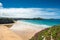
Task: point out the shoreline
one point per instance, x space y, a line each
25 30
42 25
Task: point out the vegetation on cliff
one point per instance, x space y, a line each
52 33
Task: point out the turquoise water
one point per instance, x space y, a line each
44 22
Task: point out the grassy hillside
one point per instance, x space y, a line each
48 34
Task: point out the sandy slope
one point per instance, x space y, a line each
26 31
6 34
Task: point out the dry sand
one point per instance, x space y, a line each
26 31
6 34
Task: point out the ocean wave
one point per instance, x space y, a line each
37 25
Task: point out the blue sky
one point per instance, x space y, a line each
30 8
31 3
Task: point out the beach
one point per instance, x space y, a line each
19 31
25 30
7 34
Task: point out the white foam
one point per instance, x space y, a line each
20 25
37 25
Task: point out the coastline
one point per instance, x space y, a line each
26 30
37 25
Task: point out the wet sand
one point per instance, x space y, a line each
26 31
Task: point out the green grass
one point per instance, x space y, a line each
47 33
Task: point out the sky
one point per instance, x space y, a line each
30 8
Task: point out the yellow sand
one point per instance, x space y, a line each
6 34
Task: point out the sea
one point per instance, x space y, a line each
46 22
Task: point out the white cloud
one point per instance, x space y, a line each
28 12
